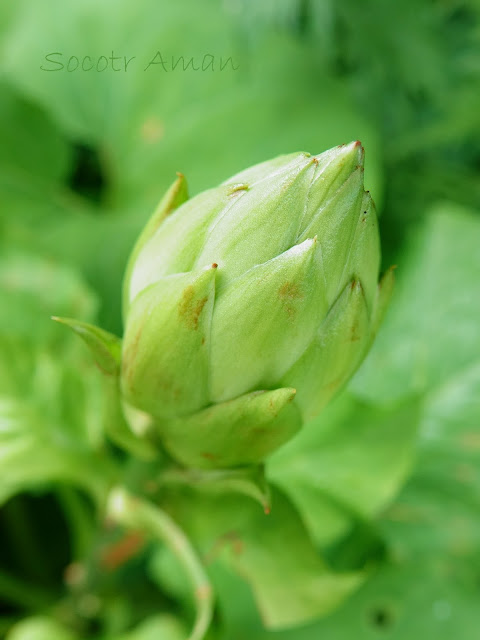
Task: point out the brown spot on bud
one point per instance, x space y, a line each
289 293
354 336
189 308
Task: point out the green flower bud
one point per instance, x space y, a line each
248 306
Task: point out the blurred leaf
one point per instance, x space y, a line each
31 145
420 600
289 587
50 400
347 464
33 454
431 330
150 122
160 627
146 124
39 628
104 346
249 481
31 289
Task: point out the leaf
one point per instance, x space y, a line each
105 347
32 146
162 626
39 628
160 122
289 587
50 400
31 288
31 458
248 481
350 461
431 328
400 601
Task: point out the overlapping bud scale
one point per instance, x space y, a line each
248 306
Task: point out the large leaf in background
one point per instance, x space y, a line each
402 602
50 395
347 464
39 628
432 330
273 553
32 147
164 627
430 344
150 122
146 125
35 451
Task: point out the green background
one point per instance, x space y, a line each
385 485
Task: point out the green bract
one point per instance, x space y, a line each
248 306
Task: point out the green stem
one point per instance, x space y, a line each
135 513
80 519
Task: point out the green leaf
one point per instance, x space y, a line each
273 553
40 628
248 481
105 347
421 600
161 121
350 461
162 626
431 329
31 288
34 453
32 147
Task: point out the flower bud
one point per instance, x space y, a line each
248 306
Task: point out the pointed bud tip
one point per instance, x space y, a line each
356 149
345 158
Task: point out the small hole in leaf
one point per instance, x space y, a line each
87 177
381 617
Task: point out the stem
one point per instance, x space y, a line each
135 513
80 520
